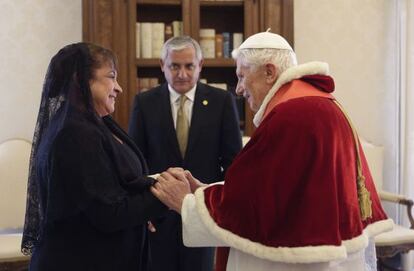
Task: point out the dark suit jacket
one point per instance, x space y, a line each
214 140
214 136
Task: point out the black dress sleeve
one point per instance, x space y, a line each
85 173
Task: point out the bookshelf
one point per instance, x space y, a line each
112 23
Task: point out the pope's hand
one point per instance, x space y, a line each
194 182
171 189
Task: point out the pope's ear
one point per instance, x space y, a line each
271 73
162 65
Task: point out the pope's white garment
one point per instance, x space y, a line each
196 234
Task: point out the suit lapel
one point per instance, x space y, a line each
200 112
168 122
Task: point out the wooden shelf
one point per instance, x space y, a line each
219 62
147 62
159 2
208 62
222 3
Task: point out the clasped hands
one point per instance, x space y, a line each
173 185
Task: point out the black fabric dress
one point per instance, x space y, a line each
96 201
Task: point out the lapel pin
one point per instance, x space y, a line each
205 102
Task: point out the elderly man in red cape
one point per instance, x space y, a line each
300 195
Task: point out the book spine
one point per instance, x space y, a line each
237 40
138 40
219 45
168 32
226 45
177 28
207 42
157 39
146 40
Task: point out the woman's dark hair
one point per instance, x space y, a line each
66 91
70 71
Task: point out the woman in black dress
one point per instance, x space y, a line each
88 192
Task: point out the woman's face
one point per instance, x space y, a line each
105 88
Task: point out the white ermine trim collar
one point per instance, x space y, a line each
290 74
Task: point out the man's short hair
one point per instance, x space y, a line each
180 43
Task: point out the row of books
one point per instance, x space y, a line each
149 37
146 83
218 45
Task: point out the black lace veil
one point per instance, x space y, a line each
65 90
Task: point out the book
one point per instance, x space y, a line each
177 27
157 39
207 42
146 83
168 33
237 40
138 40
227 45
146 40
218 45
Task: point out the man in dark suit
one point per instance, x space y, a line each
184 123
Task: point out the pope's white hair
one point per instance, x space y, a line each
254 58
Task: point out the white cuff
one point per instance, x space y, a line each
195 233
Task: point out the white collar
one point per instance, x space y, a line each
174 95
290 74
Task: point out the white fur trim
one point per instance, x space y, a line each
195 233
290 74
360 242
308 254
356 244
379 227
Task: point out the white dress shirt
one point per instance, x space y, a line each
175 103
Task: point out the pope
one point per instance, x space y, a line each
300 195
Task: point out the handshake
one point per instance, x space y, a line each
173 185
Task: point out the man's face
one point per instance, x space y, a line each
181 69
252 84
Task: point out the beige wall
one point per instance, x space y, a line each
31 32
358 39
